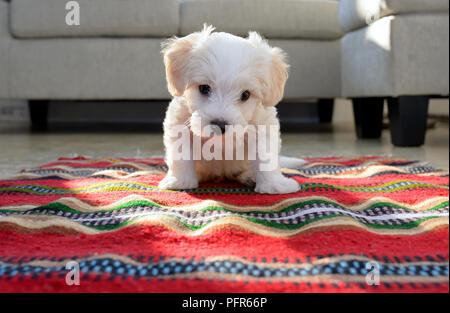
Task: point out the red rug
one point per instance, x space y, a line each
370 224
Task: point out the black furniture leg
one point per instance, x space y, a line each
408 120
38 114
325 110
368 114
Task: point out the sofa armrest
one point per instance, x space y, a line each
4 19
355 14
5 42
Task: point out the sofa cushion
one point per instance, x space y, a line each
314 19
47 18
354 14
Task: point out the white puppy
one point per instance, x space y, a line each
220 79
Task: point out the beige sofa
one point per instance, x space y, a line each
362 49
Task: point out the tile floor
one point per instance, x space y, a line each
19 148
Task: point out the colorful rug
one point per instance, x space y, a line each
369 224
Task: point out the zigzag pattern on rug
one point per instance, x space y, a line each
110 217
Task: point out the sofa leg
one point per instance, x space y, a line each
408 120
38 114
368 113
325 109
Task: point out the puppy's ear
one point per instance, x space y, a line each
177 52
278 77
278 71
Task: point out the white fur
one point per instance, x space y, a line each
230 65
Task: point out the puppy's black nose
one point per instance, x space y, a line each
221 124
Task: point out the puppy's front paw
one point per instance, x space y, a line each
247 178
174 182
280 185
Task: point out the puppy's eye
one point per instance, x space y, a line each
245 95
204 89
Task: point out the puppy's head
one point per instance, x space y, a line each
224 77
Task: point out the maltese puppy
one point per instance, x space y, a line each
224 90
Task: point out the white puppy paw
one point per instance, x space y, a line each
288 162
174 182
247 178
280 185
